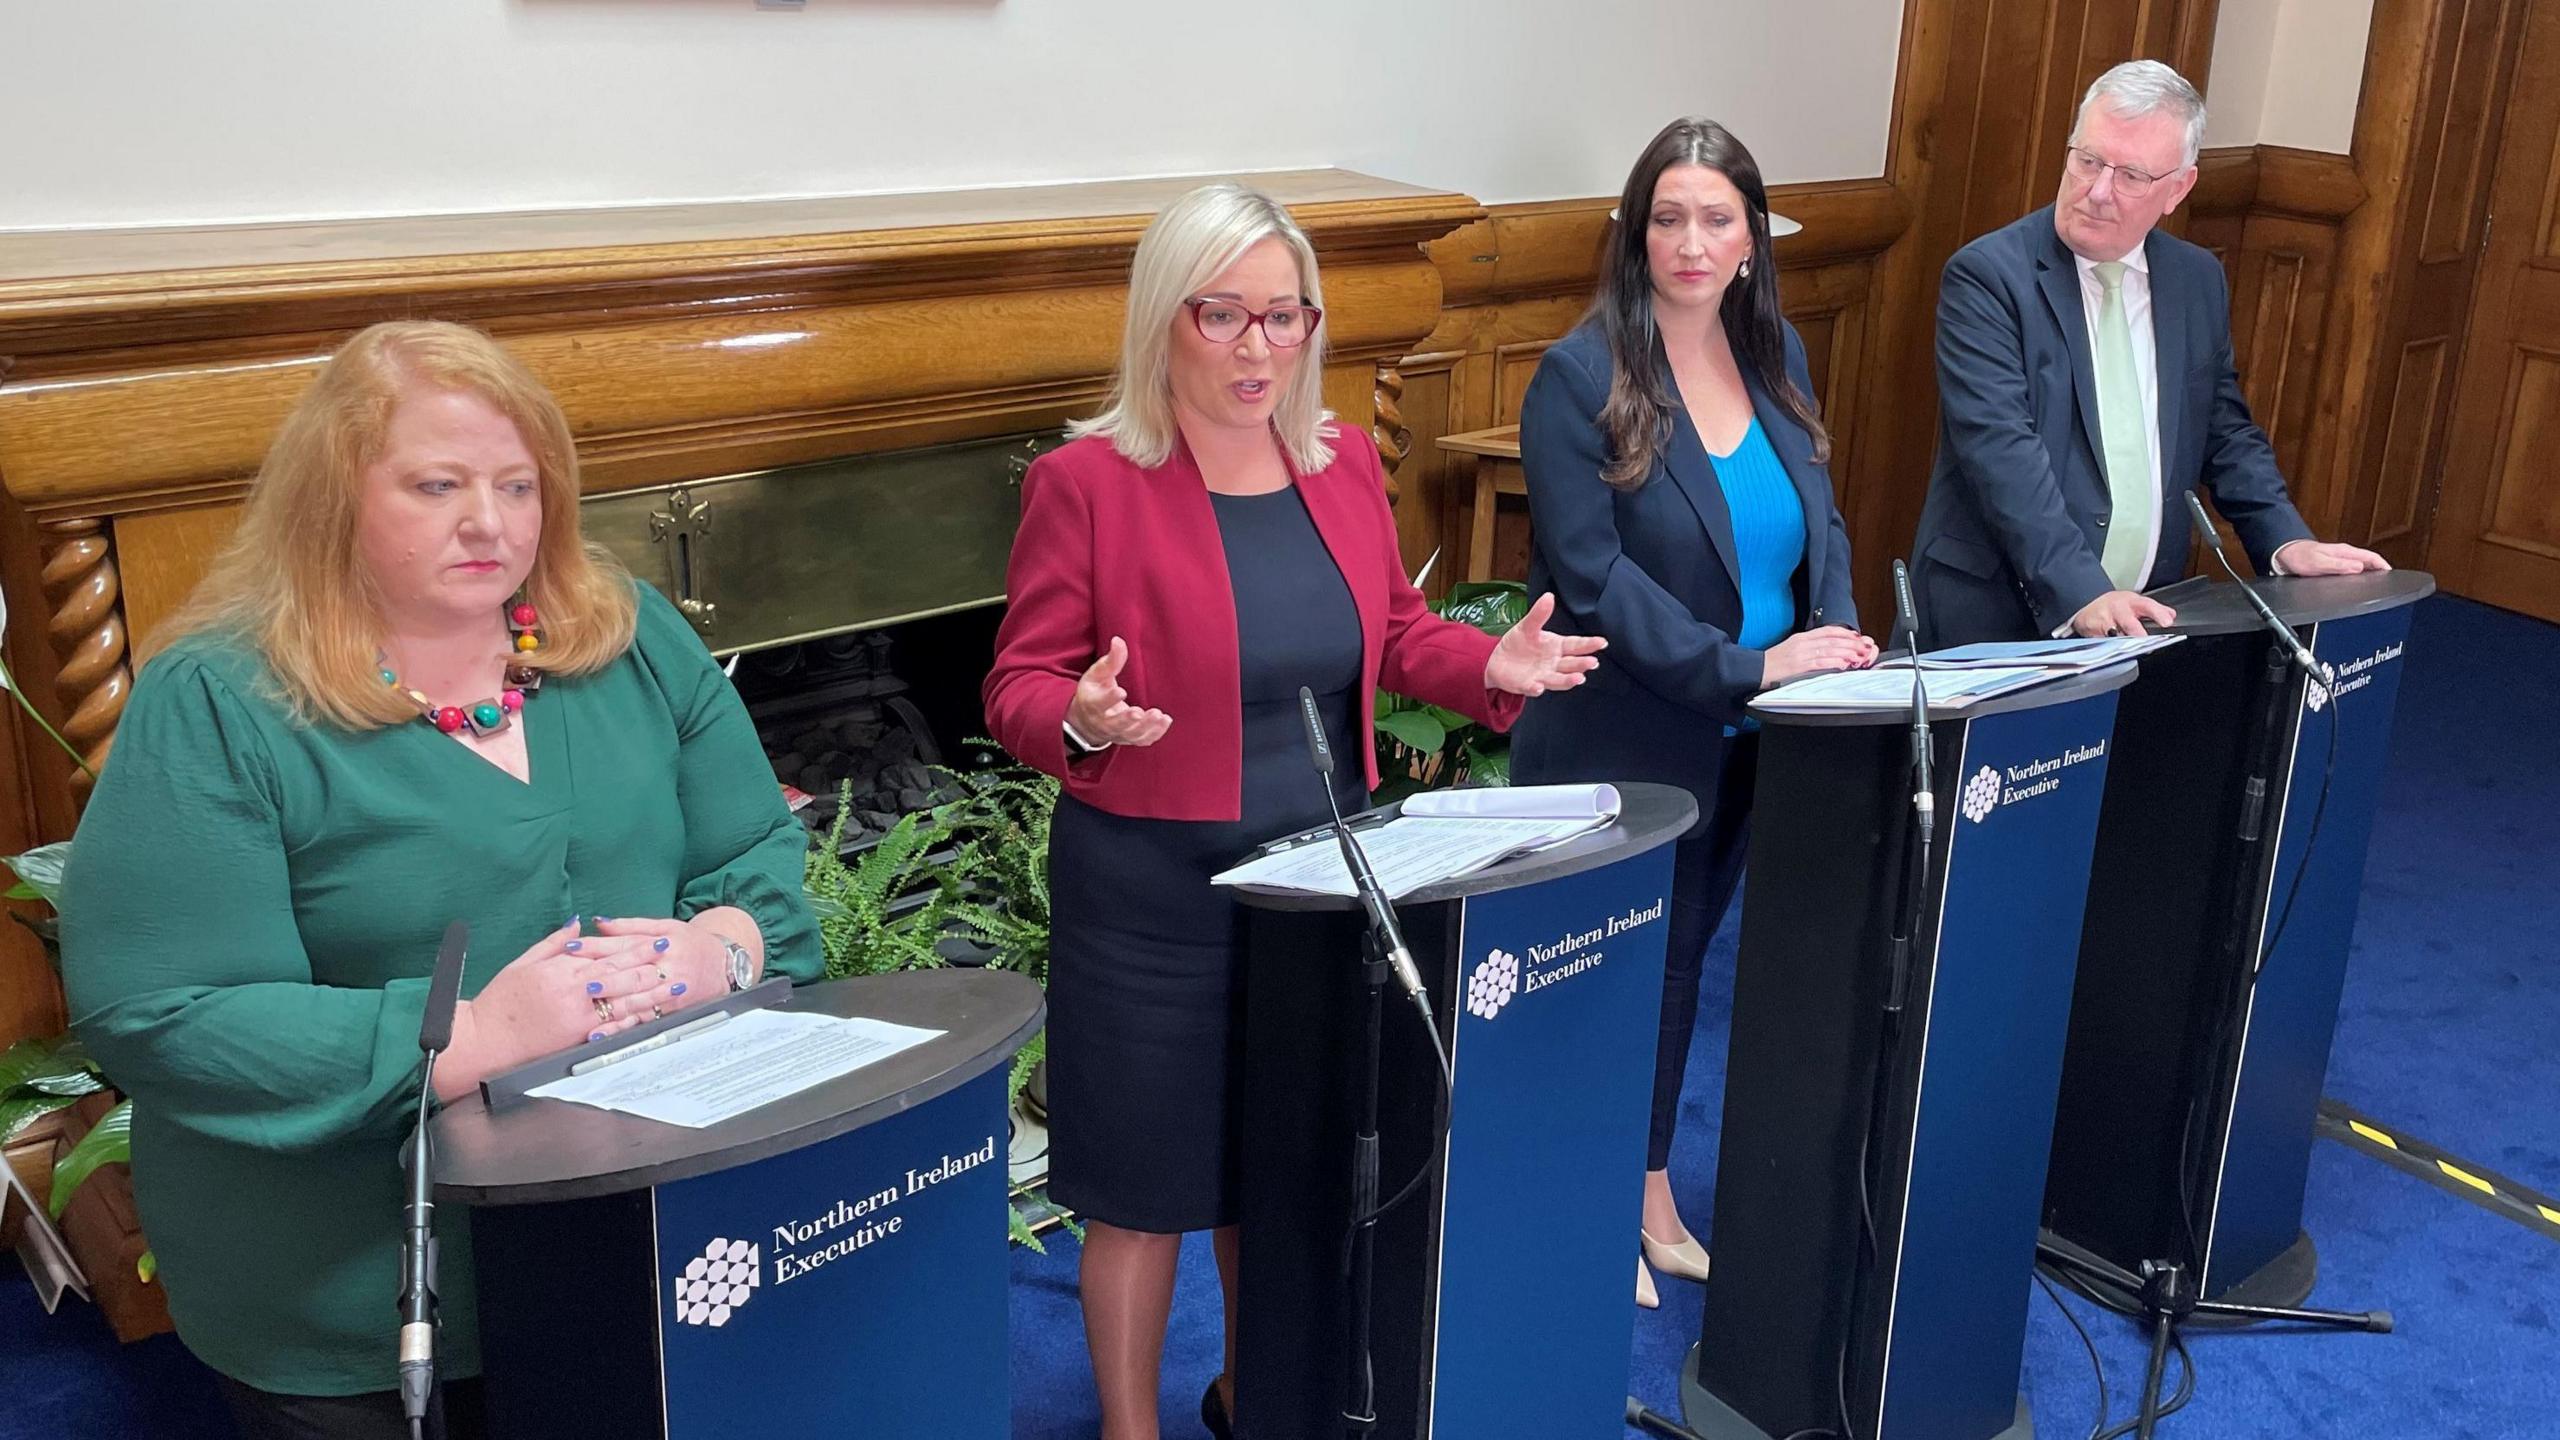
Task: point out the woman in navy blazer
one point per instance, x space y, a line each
1206 547
1682 509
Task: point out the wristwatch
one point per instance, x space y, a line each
742 966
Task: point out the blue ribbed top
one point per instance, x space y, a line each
1768 536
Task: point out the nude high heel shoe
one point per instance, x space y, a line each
1686 1260
1646 1295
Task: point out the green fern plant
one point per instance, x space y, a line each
885 911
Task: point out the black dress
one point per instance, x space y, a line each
1146 979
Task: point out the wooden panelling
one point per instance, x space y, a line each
2409 440
2436 77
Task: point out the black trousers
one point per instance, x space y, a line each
374 1415
1705 870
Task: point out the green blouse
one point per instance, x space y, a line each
251 913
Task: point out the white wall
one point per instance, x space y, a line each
2287 72
166 111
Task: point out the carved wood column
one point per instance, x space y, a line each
1395 439
95 677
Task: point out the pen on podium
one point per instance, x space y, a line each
643 1047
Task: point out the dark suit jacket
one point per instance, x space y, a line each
1652 569
2018 506
1107 548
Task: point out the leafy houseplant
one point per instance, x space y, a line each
967 880
38 1077
1426 747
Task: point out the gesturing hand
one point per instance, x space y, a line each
1832 647
1101 712
1530 661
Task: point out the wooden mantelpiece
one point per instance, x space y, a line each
142 372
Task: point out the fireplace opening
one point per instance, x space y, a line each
881 708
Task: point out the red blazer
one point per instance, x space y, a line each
1107 548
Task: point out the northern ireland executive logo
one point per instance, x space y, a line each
1981 794
1496 980
717 1281
2315 694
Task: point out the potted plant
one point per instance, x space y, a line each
88 1186
1426 747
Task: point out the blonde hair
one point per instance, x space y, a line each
1190 243
291 582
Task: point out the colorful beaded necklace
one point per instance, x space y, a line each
484 717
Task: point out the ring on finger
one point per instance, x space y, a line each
604 1008
655 1013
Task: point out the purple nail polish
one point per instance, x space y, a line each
660 945
572 945
595 1035
676 989
595 987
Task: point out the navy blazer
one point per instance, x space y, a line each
1653 570
2018 504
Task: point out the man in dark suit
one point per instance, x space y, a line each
2085 385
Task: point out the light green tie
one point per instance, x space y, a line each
2127 436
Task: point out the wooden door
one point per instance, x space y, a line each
2497 529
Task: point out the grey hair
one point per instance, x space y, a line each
2138 88
1188 245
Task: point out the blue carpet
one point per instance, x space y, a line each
2452 1001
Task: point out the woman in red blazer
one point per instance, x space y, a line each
1208 545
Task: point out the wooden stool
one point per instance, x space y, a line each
1495 456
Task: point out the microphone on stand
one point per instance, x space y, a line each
417 1239
1924 800
2301 655
1382 914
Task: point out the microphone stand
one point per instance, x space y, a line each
2165 1293
1383 955
418 1320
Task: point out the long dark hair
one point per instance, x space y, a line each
1638 415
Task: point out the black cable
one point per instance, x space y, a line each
2097 1367
1431 1158
2177 1401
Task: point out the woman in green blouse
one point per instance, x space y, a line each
408 692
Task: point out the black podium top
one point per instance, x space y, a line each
2033 697
1653 815
2207 606
547 1150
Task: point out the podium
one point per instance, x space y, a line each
834 1263
1922 1341
1502 1289
2199 1036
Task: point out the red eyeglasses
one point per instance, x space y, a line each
1285 326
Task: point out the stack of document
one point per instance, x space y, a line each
1842 691
1435 836
1957 678
2068 657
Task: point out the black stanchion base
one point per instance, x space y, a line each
1715 1420
2284 1282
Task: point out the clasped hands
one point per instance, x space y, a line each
1528 660
583 983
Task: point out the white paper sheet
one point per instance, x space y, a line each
1519 802
735 1066
1882 689
2073 656
1407 853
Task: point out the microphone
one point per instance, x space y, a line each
418 1241
1373 898
2301 655
1924 799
